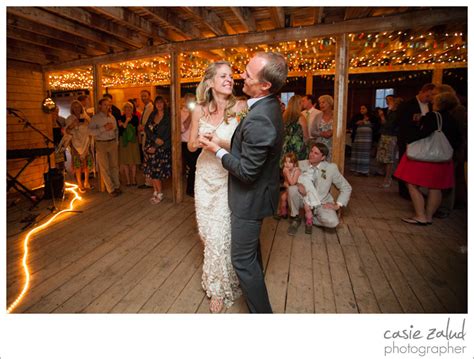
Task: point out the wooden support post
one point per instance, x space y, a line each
97 83
49 123
309 84
176 156
97 80
340 101
437 78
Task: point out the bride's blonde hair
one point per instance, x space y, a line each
204 95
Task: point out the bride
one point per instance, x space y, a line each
215 115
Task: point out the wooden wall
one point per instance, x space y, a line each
25 92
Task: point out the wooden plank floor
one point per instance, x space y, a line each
124 255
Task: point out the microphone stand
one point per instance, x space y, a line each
47 142
27 123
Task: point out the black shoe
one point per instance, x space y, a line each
144 186
294 224
405 196
280 216
308 229
441 213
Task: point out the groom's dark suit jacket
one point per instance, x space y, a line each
253 162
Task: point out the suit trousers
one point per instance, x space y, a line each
107 159
323 217
247 261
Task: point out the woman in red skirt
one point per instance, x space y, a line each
433 175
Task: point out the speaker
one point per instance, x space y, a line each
53 184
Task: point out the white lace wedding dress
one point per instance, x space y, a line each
213 218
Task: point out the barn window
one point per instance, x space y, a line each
380 95
285 97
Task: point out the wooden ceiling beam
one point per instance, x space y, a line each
208 18
185 29
42 17
93 48
244 15
357 12
33 38
318 15
278 17
375 24
61 55
127 37
128 18
23 54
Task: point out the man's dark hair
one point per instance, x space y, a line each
107 95
321 147
101 101
312 98
428 87
148 92
81 98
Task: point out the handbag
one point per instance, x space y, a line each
434 148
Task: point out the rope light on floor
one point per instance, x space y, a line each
70 187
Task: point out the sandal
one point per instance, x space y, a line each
386 184
414 221
155 199
216 305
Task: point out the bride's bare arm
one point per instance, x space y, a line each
193 143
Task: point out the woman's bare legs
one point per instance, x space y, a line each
432 203
418 202
133 173
124 169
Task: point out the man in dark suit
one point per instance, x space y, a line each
253 165
115 110
409 113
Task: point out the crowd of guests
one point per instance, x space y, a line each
116 141
121 141
381 136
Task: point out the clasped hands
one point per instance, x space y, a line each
209 141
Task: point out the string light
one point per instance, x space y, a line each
70 187
398 49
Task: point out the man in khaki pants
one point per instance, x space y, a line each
103 127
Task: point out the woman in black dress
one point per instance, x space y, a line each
158 148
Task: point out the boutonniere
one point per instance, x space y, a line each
323 174
240 116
